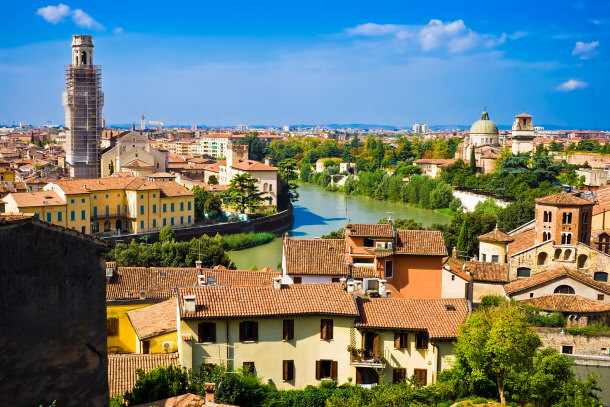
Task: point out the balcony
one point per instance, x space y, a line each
369 357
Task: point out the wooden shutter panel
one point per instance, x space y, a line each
318 370
200 329
213 332
397 340
285 370
358 375
424 341
395 376
288 370
255 331
329 329
333 369
376 347
242 331
288 329
323 329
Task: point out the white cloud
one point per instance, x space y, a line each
118 30
454 36
585 50
518 34
572 84
54 14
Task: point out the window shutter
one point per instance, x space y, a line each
242 331
323 329
318 370
212 332
200 332
333 369
424 341
395 378
329 329
254 331
397 340
358 375
376 347
288 329
285 370
288 370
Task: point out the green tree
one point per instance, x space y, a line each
213 207
111 168
441 196
243 194
498 340
473 161
158 384
305 168
167 234
213 180
288 189
201 196
256 148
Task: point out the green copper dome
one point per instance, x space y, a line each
484 126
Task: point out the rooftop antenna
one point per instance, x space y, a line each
198 251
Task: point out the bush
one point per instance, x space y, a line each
240 241
158 384
479 400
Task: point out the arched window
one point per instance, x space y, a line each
567 254
546 236
601 276
523 272
557 253
265 187
569 237
564 289
582 260
84 57
564 218
550 216
95 227
107 226
270 187
542 258
569 218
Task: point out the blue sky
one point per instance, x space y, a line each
316 62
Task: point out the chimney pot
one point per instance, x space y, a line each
189 303
351 287
454 252
277 282
197 264
210 390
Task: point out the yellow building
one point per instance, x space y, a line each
303 334
6 174
111 204
130 290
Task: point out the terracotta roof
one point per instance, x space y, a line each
136 164
122 369
566 303
563 199
320 257
83 186
522 241
420 242
40 198
161 175
155 319
184 400
266 301
370 230
435 161
161 282
249 165
523 115
489 272
441 318
496 236
556 273
456 267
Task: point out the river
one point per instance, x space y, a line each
318 212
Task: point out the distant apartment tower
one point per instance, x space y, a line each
142 123
83 101
420 128
242 128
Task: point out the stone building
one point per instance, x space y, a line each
484 138
134 154
52 314
523 134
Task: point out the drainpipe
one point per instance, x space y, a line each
437 364
228 345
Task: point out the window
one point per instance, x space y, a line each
141 209
326 329
566 238
94 196
523 272
189 205
112 326
164 207
400 340
95 211
564 289
37 215
335 279
542 256
182 220
181 206
531 295
71 200
118 209
189 219
495 258
171 221
171 207
154 208
72 215
164 222
389 272
297 280
106 195
249 367
154 223
59 216
582 260
421 341
206 332
288 331
142 224
248 331
601 276
567 349
546 236
154 195
399 375
270 187
107 210
288 370
142 196
326 369
453 277
600 297
49 217
82 200
368 242
421 375
484 257
82 215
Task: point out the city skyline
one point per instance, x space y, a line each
341 63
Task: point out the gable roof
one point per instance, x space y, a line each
162 282
563 199
480 271
433 315
267 301
370 230
122 368
566 303
420 242
556 273
40 198
154 320
250 165
521 241
456 267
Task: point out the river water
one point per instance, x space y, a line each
318 212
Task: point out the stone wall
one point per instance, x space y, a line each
52 316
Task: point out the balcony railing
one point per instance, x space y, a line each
365 358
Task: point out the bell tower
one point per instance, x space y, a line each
82 50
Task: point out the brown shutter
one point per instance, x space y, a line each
254 331
318 370
376 346
285 370
213 332
329 329
358 375
421 375
395 375
323 329
242 331
288 370
200 329
333 369
288 329
397 337
425 341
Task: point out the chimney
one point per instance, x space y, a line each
189 304
351 287
454 252
342 280
201 280
277 282
198 264
210 390
383 289
268 161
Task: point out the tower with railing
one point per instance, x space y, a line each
83 101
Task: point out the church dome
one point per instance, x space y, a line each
484 126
